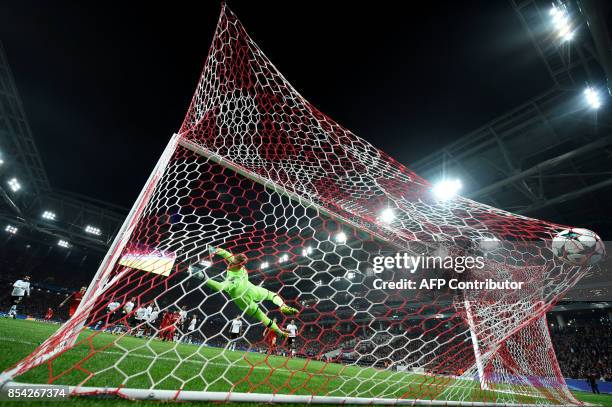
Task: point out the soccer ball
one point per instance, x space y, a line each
578 247
489 244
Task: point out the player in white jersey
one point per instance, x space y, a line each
235 332
128 317
192 324
140 316
152 314
182 322
191 328
292 330
128 307
20 289
112 307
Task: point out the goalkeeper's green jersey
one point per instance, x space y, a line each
239 274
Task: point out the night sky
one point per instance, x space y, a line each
106 84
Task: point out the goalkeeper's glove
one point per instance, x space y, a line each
198 275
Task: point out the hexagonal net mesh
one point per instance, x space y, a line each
175 312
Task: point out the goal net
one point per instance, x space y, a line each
258 171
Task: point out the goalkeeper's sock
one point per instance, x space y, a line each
275 298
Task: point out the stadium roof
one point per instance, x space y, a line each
22 162
551 156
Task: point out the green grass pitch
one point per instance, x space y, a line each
156 363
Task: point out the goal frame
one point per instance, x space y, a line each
96 288
241 397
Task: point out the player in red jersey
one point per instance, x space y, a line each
168 327
176 320
75 300
271 337
163 325
49 314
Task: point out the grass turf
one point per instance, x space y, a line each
141 363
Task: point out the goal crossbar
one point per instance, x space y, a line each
276 187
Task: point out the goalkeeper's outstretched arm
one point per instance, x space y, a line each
228 256
234 261
220 252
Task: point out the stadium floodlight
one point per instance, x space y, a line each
341 238
264 265
387 215
93 230
48 215
283 258
592 97
1 161
63 243
205 263
14 184
307 251
11 229
350 275
447 189
561 22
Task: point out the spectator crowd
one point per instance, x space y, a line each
584 351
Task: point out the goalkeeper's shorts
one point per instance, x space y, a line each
247 296
245 291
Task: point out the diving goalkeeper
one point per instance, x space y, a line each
245 295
